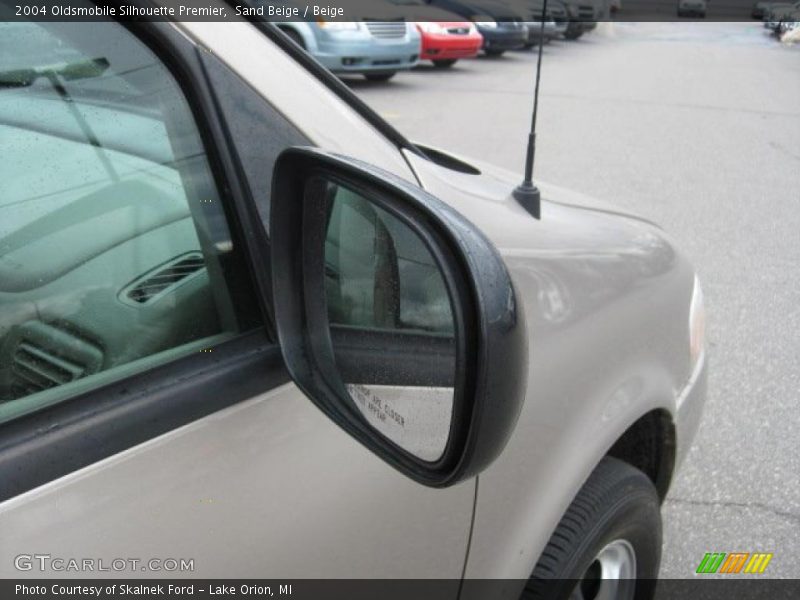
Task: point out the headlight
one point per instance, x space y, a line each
697 324
431 28
484 21
338 25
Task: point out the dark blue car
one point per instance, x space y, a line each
501 27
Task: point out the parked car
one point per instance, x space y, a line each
245 322
540 35
770 21
789 21
759 9
501 27
791 30
692 8
579 17
778 12
588 13
445 37
564 26
376 48
445 42
773 14
532 10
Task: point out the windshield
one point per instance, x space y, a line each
41 48
94 114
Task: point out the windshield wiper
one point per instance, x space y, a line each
56 75
83 69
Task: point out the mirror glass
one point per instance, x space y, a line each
391 323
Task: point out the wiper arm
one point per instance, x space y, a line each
56 74
83 69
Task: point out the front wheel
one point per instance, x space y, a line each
608 543
380 76
573 33
494 52
444 63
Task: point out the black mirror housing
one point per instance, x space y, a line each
488 336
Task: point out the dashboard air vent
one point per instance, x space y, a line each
40 370
41 356
165 278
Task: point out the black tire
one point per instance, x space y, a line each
494 52
573 32
444 63
380 76
618 505
295 37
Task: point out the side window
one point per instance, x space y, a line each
114 249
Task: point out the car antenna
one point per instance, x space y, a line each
526 193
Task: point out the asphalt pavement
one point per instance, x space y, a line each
697 126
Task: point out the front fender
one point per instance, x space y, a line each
606 298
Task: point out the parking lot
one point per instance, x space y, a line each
695 125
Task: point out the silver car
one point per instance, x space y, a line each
376 48
248 330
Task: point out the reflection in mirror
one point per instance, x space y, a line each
391 322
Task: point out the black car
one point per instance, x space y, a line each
759 9
572 18
534 12
501 27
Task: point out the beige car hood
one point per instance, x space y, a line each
495 184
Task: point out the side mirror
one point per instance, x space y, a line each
395 315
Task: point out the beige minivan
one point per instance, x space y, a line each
248 330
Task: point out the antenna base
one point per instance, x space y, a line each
528 195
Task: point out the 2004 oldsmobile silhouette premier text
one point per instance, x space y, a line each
243 321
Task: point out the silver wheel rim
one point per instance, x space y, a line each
611 576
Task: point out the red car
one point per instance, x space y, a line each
445 42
